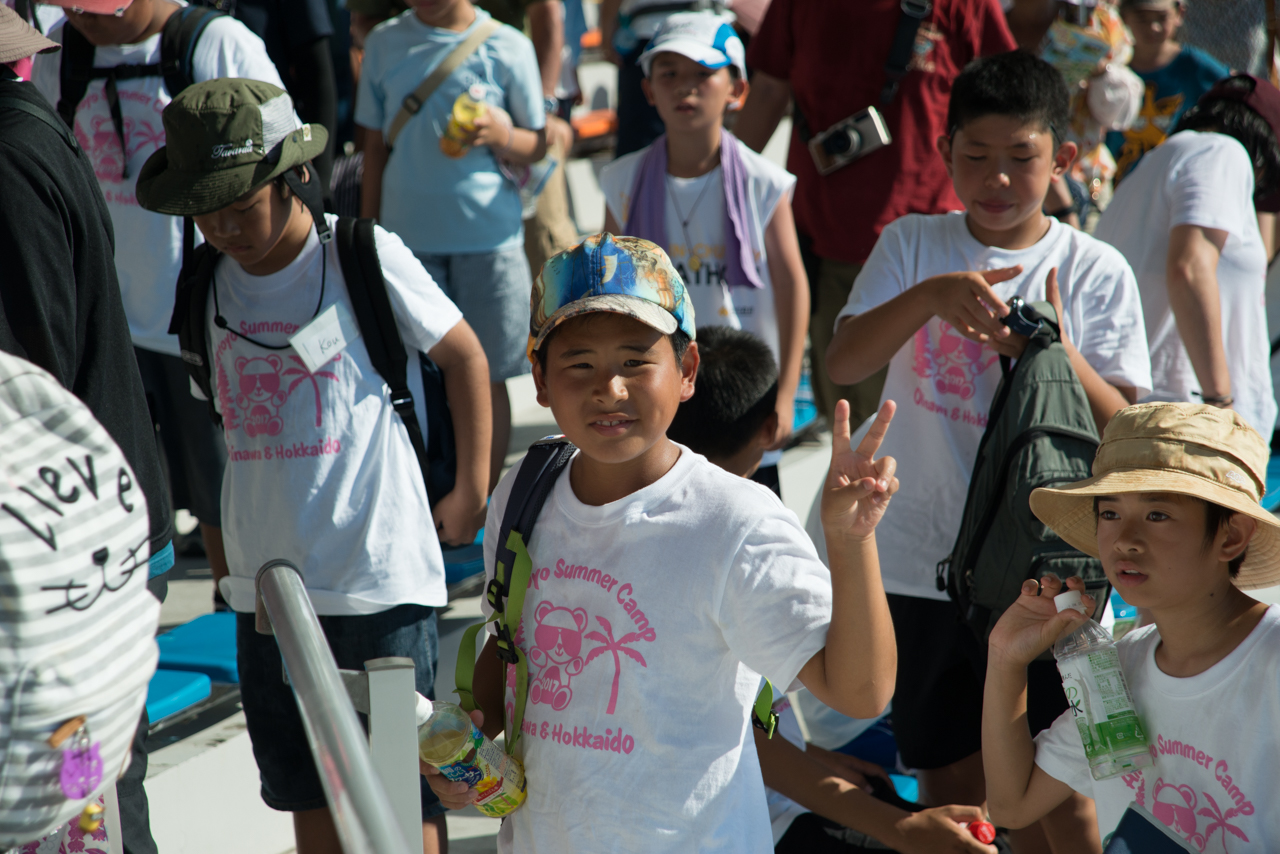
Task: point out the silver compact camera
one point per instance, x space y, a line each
849 139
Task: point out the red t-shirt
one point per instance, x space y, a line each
833 53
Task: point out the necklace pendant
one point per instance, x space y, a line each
695 263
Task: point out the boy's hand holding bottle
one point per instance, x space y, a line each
1033 623
858 486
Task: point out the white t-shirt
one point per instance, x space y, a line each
148 245
649 619
1213 736
701 201
320 471
944 384
1203 179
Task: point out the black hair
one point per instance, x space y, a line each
1017 84
679 345
1238 121
737 389
1215 517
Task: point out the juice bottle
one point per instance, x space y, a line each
1101 704
467 107
449 740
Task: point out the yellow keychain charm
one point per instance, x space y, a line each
91 818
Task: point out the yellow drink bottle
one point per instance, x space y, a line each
449 740
467 107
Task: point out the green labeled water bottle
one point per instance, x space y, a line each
1099 697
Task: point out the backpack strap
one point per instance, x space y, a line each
762 714
414 101
178 41
43 114
512 567
189 321
26 12
358 253
75 70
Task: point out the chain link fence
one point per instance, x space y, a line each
1234 31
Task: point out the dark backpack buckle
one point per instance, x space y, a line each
767 728
401 400
496 592
506 647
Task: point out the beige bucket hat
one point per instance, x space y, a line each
1183 448
18 39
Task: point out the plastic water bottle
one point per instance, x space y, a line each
449 740
1101 704
1126 616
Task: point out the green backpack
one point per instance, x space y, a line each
1040 432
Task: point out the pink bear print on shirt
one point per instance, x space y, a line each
1175 806
953 362
259 394
557 648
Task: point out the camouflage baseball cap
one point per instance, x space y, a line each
224 137
623 275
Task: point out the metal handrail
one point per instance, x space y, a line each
357 799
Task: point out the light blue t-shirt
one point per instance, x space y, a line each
435 203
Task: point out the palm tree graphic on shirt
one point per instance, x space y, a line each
301 375
608 644
1220 820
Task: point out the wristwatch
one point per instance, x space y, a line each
551 104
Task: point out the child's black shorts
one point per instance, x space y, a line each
285 764
937 703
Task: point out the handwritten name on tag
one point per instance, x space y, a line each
327 335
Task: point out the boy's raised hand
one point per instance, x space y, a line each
967 302
1032 623
858 486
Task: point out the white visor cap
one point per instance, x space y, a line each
706 38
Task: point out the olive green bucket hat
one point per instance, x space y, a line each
224 138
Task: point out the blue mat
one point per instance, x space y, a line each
908 788
805 412
877 744
462 562
205 645
171 691
1271 500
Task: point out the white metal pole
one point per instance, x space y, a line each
357 800
393 741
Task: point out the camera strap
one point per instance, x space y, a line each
895 67
904 40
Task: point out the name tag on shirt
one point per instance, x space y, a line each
327 335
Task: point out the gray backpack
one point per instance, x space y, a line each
1040 432
77 630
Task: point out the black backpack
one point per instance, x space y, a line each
1040 432
178 41
358 252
